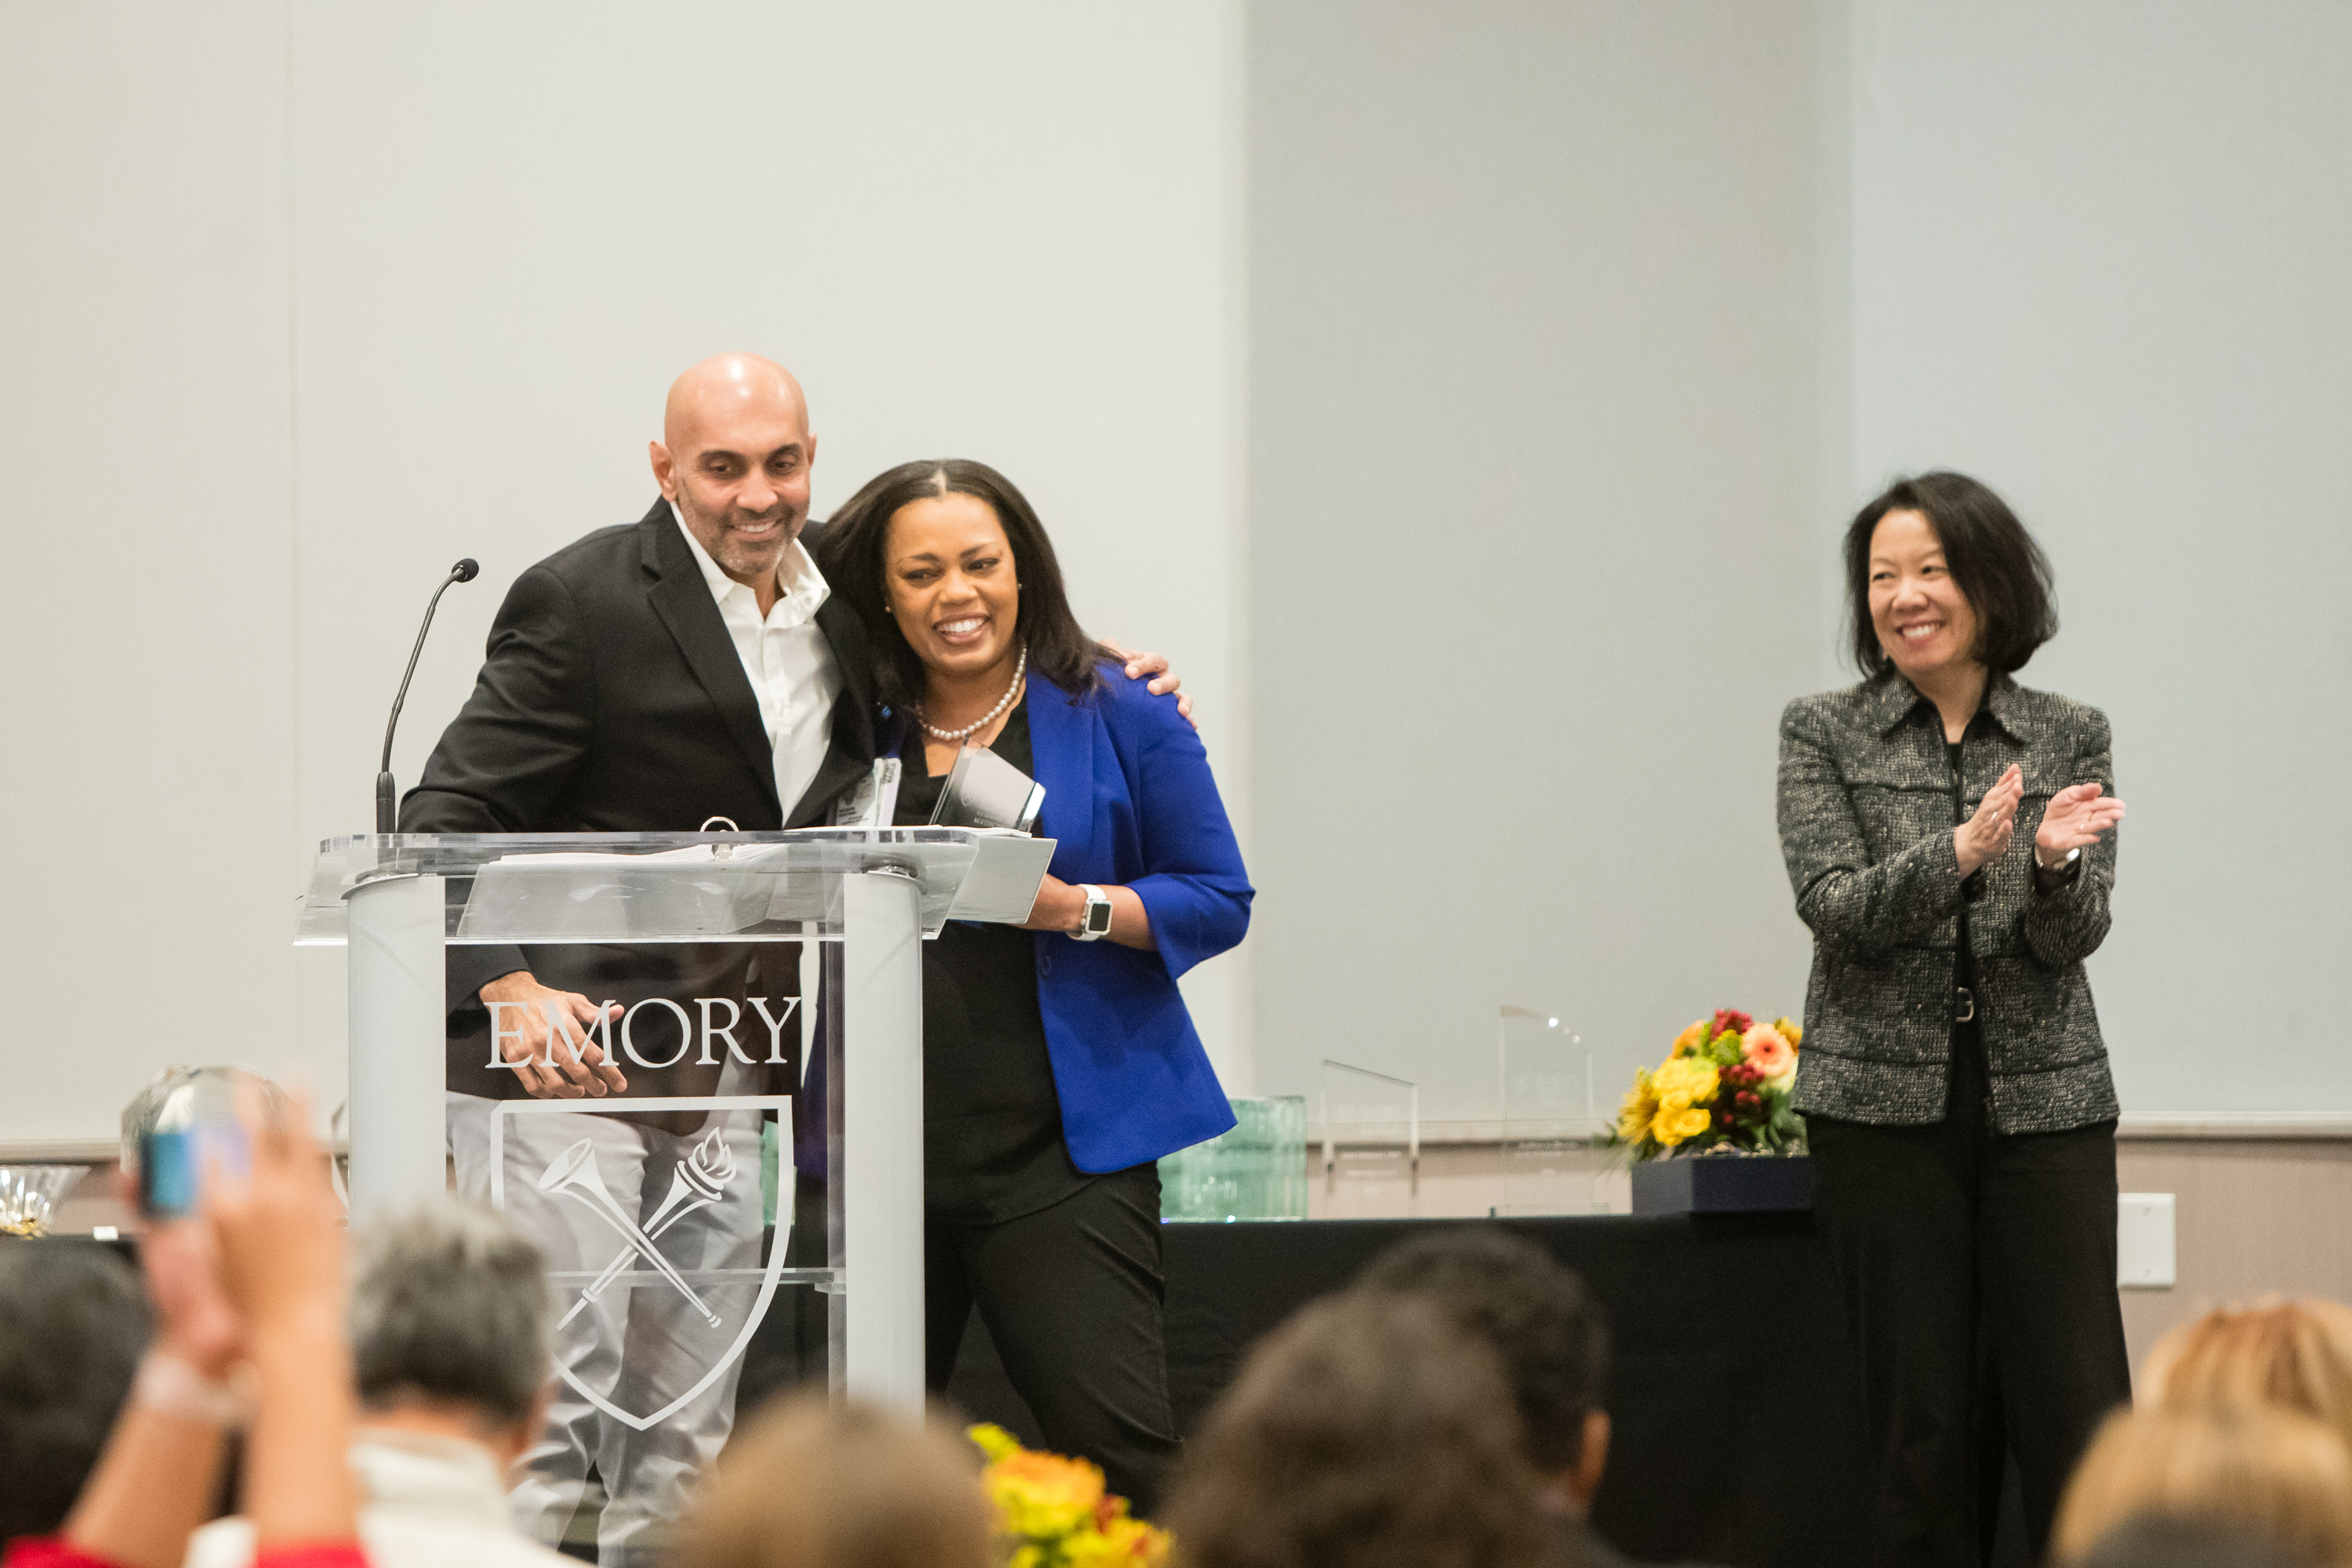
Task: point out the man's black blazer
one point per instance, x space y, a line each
612 700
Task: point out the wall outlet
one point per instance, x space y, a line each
2144 1241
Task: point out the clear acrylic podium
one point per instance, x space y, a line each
679 904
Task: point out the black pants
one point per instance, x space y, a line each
1978 1273
1072 1296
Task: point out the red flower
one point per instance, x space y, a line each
1730 1022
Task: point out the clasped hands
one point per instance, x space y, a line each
2074 819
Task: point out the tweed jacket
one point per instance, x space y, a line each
1865 816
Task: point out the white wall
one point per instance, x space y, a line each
1534 482
147 639
2100 255
426 306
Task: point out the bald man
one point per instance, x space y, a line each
646 678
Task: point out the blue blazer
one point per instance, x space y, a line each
1129 801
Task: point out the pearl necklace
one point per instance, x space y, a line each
982 722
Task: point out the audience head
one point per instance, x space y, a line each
2281 1474
1548 1334
450 1313
974 520
811 1484
2296 1355
1367 1430
2164 1541
1952 555
73 1323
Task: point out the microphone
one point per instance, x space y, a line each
387 810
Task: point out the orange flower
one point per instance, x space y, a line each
1691 1039
1774 1059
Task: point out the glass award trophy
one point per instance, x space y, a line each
983 790
1256 1171
1371 1143
1551 1164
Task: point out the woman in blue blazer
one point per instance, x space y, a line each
1059 1062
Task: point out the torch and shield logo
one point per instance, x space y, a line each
705 1174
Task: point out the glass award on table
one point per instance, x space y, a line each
1371 1135
983 790
1552 1163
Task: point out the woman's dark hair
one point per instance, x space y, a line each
1993 558
1535 1315
1367 1432
850 553
73 1322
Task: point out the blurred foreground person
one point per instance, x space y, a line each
2294 1355
1951 840
1367 1430
449 1330
2281 1474
256 1279
809 1484
1551 1341
73 1325
2162 1541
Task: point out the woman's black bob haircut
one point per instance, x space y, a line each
851 554
1993 560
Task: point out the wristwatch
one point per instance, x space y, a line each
2058 875
1096 923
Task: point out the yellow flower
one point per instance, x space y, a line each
1672 1127
1640 1107
993 1440
1691 1039
1692 1079
1684 1088
1123 1543
1789 1032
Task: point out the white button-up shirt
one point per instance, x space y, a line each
785 656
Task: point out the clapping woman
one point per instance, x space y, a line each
1949 835
1059 1063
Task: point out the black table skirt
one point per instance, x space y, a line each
1738 1429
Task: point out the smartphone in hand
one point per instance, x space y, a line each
172 1165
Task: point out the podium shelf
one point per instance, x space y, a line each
675 887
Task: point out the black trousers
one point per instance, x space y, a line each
1073 1296
1978 1273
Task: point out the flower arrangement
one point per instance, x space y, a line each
1726 1086
1055 1513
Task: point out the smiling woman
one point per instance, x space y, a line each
1057 1068
1954 1082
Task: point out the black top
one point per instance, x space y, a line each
992 1145
1964 968
1968 1077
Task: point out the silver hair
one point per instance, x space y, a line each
449 1303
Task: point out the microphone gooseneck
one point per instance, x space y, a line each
387 804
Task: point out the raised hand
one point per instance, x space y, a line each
1984 838
279 1233
519 1030
277 1226
2074 819
194 1322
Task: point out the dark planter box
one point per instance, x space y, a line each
1723 1185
